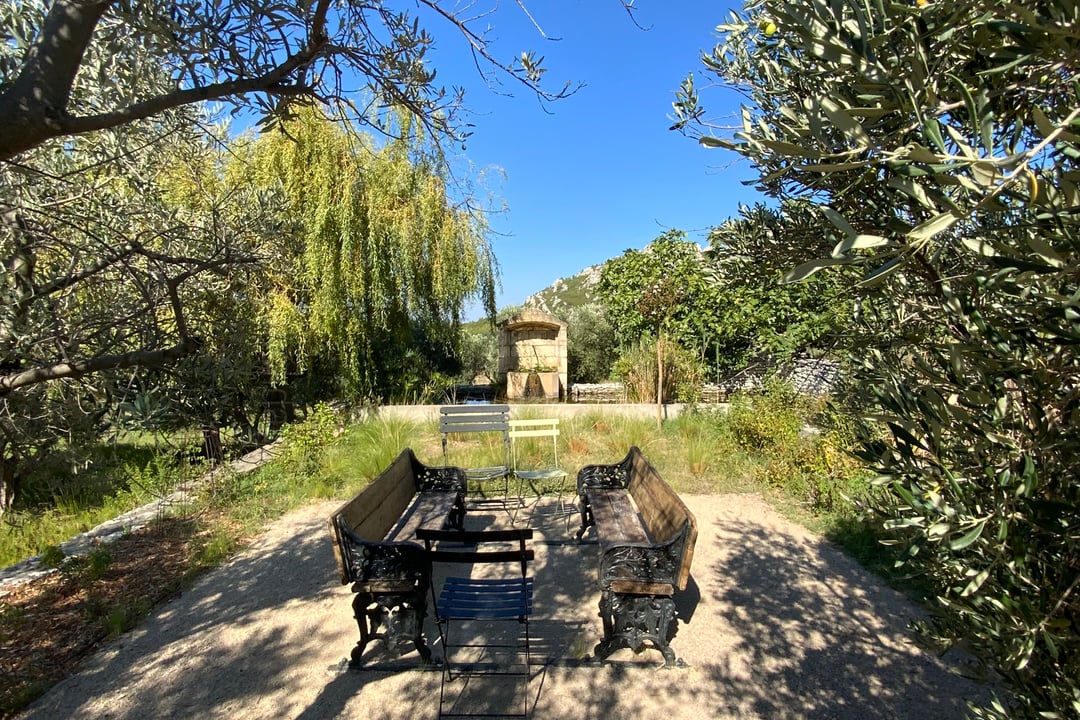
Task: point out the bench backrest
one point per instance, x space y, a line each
545 431
455 419
474 418
373 511
664 513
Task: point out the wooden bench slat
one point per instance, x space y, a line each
384 586
634 587
657 508
617 520
389 507
429 510
375 547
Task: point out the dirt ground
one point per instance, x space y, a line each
776 623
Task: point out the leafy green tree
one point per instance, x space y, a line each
102 278
663 292
268 60
590 344
942 142
479 354
381 250
760 314
666 283
98 272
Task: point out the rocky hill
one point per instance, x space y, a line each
566 293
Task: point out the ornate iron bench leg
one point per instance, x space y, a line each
456 518
632 620
587 520
397 619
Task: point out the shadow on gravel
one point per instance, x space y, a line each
819 638
240 634
776 624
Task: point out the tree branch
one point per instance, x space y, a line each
141 358
35 106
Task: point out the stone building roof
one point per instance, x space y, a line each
531 316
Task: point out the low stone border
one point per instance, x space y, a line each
110 530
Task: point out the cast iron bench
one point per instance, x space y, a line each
377 550
646 535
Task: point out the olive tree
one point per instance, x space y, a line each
359 57
590 344
102 276
941 142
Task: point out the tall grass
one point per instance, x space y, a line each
122 480
760 444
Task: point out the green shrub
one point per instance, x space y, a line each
96 563
52 557
766 421
804 451
302 442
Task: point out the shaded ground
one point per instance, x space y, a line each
777 623
52 623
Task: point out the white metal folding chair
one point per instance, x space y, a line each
534 460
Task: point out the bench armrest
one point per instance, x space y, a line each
366 560
641 562
616 475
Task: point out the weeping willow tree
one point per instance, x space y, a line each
382 258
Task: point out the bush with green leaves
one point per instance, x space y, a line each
803 449
479 354
302 443
941 142
591 349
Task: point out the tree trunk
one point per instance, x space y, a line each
212 444
659 380
9 484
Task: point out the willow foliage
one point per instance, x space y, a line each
382 249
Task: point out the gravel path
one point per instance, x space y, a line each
777 623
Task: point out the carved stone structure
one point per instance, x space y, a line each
532 355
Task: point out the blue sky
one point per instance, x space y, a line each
597 173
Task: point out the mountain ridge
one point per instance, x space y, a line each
567 292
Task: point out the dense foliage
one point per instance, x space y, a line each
726 305
101 276
941 142
757 313
384 261
665 285
590 344
138 258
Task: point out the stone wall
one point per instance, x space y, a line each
806 376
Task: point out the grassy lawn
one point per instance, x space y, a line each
758 446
